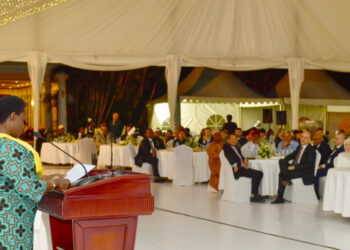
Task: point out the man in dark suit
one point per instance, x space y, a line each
322 147
147 153
241 139
157 141
229 125
303 166
240 167
329 163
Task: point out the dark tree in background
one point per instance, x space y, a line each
262 81
98 94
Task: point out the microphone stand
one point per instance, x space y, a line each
38 135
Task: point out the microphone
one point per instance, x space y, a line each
38 135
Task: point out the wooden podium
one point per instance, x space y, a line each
100 215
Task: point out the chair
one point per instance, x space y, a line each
322 185
234 190
87 148
183 171
300 193
146 168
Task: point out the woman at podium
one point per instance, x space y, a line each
21 187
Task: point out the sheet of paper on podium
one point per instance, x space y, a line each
78 172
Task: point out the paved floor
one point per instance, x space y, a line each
191 218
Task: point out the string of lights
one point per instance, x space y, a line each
13 10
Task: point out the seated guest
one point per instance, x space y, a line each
323 168
126 135
104 137
250 149
205 139
157 141
302 167
240 167
61 133
270 136
224 134
187 132
229 125
320 130
213 152
169 135
262 134
297 135
241 139
278 137
81 133
40 141
321 146
90 128
343 159
181 139
147 153
28 134
287 145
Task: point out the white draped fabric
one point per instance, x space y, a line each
223 34
296 78
36 68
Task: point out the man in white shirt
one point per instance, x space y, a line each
299 164
250 149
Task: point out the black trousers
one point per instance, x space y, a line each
154 162
255 175
286 175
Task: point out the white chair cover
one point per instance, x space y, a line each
300 193
234 190
146 168
322 185
87 148
183 172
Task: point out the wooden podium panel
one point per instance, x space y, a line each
100 215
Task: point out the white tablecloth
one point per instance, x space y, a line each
270 168
42 232
337 191
201 171
50 154
121 156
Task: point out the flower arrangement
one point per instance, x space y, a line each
264 151
193 142
131 139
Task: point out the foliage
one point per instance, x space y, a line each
193 142
264 151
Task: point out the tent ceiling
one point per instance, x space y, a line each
246 32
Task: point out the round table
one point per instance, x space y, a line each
200 163
270 169
121 156
50 154
337 191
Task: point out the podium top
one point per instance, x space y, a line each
116 193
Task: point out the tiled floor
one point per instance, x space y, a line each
191 218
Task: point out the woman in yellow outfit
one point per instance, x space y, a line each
21 187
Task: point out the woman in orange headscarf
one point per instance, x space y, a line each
213 151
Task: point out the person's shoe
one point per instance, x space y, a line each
158 180
279 200
287 183
257 199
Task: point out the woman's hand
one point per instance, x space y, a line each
62 184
